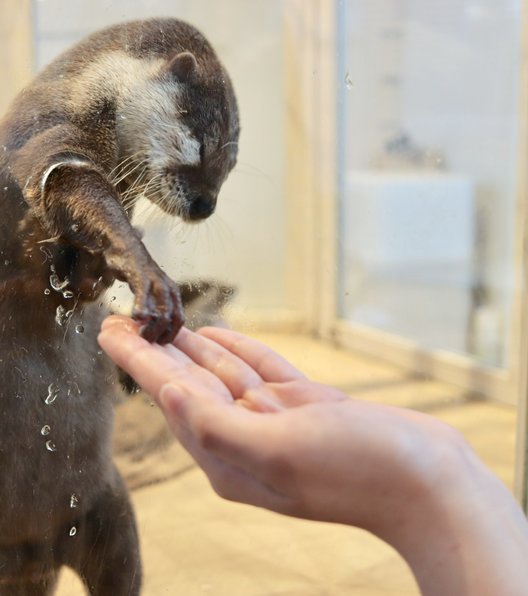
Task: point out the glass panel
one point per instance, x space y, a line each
429 93
428 150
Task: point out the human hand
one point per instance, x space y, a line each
267 436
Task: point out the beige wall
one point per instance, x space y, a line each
16 54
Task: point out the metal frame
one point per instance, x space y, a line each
520 331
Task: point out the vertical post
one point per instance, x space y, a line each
299 60
325 163
311 112
520 313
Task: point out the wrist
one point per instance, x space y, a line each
463 533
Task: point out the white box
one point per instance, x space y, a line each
408 255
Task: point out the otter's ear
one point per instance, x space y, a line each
183 66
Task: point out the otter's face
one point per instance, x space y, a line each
193 137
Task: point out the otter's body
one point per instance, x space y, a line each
140 108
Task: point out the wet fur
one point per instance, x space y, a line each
143 107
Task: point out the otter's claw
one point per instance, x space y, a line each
159 309
157 306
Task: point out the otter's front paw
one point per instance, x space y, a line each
158 306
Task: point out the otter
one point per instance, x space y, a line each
141 108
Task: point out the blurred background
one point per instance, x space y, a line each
378 207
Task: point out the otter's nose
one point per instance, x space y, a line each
201 207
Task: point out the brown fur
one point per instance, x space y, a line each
63 502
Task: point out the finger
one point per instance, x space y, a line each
268 364
239 437
152 365
228 481
125 323
229 368
294 394
261 399
274 397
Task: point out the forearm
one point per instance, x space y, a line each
468 536
81 206
75 203
84 209
62 174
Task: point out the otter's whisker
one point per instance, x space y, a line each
137 182
126 160
130 170
228 144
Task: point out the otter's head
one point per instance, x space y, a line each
190 135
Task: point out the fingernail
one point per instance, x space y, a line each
114 336
119 324
116 320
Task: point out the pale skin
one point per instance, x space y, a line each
267 436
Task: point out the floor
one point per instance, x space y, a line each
194 543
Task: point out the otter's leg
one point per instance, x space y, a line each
104 550
29 569
44 586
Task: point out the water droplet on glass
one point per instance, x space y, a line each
62 315
73 531
53 392
79 329
67 294
348 81
7 261
113 298
73 388
57 284
74 501
45 430
47 291
59 315
50 446
5 188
